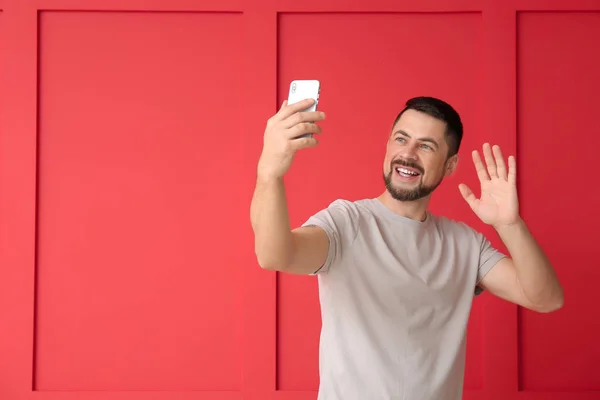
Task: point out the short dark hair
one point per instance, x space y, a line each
443 111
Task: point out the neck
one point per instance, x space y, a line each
410 209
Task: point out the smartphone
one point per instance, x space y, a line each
305 89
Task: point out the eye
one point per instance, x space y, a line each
426 147
400 139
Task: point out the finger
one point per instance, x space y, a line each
512 170
278 116
489 160
468 195
302 129
479 167
301 117
304 143
501 166
295 107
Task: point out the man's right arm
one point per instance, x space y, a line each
299 251
277 247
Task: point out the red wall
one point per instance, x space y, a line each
129 135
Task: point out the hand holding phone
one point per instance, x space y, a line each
290 130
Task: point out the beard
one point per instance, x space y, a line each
413 194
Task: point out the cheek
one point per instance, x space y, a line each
435 169
389 156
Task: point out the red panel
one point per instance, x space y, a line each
500 352
137 288
557 5
139 5
370 6
134 395
368 68
559 78
259 285
18 84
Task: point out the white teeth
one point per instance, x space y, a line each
406 171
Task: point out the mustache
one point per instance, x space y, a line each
409 164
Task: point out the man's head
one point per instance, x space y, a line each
422 148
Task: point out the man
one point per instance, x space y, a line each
396 282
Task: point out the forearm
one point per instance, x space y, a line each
273 241
535 273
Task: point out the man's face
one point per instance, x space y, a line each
416 158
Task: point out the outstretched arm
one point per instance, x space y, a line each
276 245
526 278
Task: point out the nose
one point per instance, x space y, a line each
409 152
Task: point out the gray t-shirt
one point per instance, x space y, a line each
395 297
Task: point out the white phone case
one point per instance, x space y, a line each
305 89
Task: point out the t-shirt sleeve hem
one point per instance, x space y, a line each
331 248
488 265
485 268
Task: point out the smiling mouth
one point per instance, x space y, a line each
407 172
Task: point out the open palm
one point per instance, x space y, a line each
499 203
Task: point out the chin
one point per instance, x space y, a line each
408 189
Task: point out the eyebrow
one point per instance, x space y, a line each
425 139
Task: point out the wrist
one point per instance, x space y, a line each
266 177
508 227
266 173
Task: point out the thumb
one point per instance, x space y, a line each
468 195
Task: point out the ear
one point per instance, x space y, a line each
451 165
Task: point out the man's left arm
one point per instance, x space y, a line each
527 277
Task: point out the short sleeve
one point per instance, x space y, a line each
339 221
488 257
